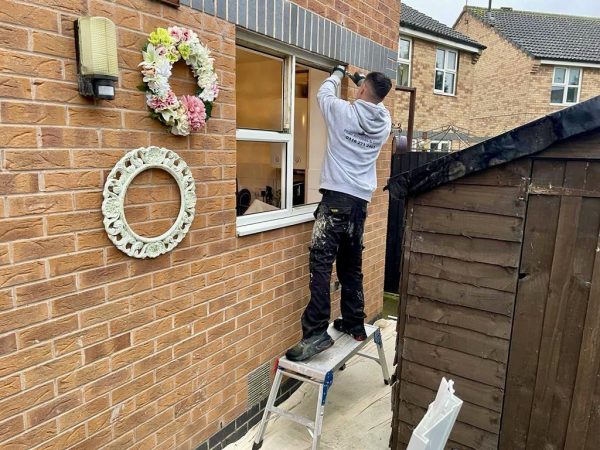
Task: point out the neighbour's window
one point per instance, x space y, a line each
446 62
566 84
440 146
404 57
281 136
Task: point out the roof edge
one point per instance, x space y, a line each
471 43
421 33
526 140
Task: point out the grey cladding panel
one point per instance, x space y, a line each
286 22
301 16
242 13
261 16
252 14
209 7
232 11
294 24
279 19
221 8
271 17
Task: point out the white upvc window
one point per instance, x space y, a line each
566 86
446 64
440 146
404 62
281 138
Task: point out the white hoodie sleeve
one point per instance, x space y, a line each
329 103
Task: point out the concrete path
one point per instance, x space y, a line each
357 413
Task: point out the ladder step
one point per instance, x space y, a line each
294 418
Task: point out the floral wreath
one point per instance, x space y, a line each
164 48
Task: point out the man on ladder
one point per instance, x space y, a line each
356 132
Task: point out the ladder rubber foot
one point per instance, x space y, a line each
387 382
343 367
256 446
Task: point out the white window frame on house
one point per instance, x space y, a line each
289 215
439 144
566 84
446 71
405 61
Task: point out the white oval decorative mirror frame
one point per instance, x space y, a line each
113 206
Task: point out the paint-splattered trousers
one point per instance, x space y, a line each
337 236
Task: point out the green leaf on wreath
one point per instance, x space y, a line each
208 106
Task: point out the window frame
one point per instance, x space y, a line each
290 215
440 142
454 71
405 61
566 85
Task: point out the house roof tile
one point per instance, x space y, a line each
413 19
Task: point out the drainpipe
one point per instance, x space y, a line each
411 115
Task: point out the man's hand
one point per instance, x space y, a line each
339 71
358 78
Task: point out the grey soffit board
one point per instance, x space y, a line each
290 23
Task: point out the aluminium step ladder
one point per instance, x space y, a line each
319 370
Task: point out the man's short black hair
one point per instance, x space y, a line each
380 84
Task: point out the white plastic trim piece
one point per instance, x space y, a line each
115 189
552 62
429 37
259 227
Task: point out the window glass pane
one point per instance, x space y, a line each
556 96
445 145
449 83
404 52
451 61
310 137
439 80
559 75
572 95
260 166
259 81
574 77
439 59
403 70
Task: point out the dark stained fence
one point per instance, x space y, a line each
401 162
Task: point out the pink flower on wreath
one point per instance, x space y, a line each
176 33
196 111
161 103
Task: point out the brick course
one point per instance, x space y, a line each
97 348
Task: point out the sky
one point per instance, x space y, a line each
447 11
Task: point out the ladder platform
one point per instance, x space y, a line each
331 359
319 370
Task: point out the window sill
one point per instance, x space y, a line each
562 104
443 93
273 224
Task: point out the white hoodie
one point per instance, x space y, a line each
356 132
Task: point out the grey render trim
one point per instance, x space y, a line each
290 23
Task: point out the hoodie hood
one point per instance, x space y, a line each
373 118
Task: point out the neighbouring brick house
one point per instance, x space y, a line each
534 64
100 350
440 63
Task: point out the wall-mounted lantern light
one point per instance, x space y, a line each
97 63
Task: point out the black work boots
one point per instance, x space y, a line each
357 332
309 347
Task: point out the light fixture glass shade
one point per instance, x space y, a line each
97 47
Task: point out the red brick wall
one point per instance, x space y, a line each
97 348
